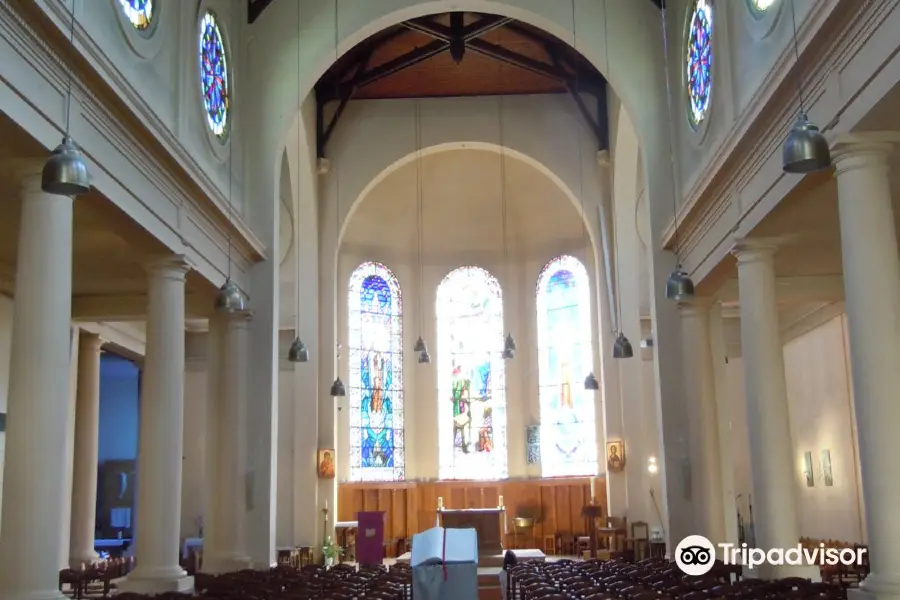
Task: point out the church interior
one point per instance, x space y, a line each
291 291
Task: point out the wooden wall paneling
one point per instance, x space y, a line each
411 507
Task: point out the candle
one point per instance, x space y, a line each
326 504
593 489
440 502
500 502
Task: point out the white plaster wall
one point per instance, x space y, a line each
745 51
817 370
159 73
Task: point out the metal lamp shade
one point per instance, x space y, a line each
510 343
420 345
508 354
591 383
337 388
680 286
298 352
622 347
424 357
230 298
805 149
65 172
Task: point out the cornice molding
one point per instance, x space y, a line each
829 37
169 166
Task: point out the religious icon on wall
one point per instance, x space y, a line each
615 456
326 464
808 469
827 475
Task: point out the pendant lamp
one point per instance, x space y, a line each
230 298
424 357
805 150
337 388
298 352
622 347
65 172
590 383
679 286
421 347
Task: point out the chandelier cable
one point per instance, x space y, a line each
797 59
672 160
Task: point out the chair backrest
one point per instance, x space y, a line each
616 522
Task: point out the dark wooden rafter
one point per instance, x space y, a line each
255 8
577 77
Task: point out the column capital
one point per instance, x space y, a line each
168 266
89 340
28 172
603 158
851 151
750 250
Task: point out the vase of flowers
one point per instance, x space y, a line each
331 551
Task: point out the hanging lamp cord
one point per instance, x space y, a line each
419 219
69 72
299 150
797 59
675 190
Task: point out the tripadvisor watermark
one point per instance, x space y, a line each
695 555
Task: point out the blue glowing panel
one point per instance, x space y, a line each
214 82
699 61
375 356
565 357
138 12
471 376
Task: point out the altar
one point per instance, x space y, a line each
490 523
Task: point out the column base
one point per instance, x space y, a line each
53 594
227 563
874 587
83 558
156 581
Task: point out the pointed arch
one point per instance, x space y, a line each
375 355
471 376
565 356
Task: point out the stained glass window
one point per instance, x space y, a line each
214 75
138 12
699 61
565 356
471 376
375 316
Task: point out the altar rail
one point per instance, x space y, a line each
411 507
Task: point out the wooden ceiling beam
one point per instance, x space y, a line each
255 9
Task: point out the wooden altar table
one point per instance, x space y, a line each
490 523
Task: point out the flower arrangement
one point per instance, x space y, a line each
331 551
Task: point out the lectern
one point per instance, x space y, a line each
592 512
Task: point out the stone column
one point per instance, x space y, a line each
87 440
161 438
700 391
872 296
229 461
771 452
38 400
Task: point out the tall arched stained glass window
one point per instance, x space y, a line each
699 61
375 354
471 376
214 76
138 12
565 356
